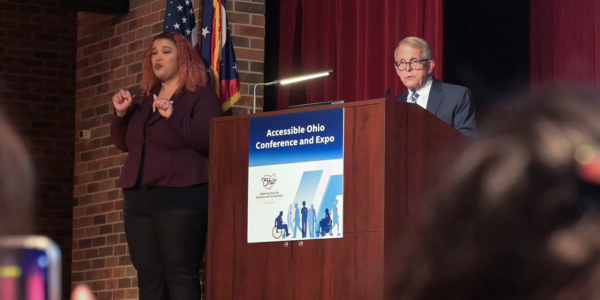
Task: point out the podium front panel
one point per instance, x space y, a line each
377 204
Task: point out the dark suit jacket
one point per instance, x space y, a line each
452 104
176 148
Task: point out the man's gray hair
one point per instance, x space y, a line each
417 43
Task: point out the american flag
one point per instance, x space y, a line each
179 17
217 53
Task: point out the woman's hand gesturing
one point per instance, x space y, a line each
122 101
164 106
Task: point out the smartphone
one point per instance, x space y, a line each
29 268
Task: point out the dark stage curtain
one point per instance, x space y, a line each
355 38
565 42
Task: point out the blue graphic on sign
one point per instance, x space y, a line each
328 211
299 137
306 192
328 214
295 176
308 186
280 227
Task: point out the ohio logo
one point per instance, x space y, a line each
268 181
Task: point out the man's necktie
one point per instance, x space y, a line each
413 98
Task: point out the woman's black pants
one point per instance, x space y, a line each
166 233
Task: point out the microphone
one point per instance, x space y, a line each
387 92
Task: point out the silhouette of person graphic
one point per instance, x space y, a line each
289 217
336 216
304 213
296 220
313 219
280 225
325 223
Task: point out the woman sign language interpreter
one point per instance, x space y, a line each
165 131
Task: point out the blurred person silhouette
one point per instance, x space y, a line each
518 216
82 292
17 182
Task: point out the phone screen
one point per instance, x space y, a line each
26 273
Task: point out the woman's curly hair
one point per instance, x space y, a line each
192 73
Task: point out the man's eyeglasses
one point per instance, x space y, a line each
416 64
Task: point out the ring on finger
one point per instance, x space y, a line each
164 102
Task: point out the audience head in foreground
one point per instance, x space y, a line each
16 181
518 217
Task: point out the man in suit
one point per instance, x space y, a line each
451 103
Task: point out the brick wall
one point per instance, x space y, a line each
109 54
37 65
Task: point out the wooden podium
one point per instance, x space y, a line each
389 147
